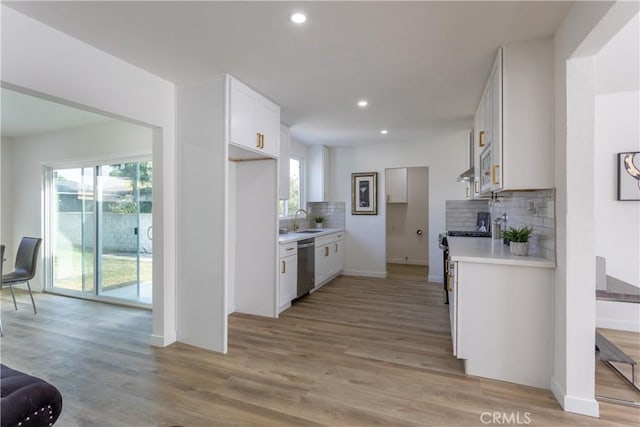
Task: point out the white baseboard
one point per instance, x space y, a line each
435 278
163 340
622 316
364 273
407 261
576 405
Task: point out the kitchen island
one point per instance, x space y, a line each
501 311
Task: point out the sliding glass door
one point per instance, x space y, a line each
101 231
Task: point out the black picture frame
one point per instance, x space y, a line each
364 193
629 176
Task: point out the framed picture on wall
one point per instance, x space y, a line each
364 193
629 176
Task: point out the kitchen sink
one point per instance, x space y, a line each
310 231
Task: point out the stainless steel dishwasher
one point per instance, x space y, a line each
306 266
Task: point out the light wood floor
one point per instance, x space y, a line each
358 352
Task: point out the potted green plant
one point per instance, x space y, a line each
319 219
519 239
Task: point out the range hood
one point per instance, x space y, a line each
468 174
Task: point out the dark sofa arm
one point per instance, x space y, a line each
26 400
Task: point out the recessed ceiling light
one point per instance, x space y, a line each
298 18
384 131
362 103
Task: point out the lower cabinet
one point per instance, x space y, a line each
329 258
288 275
501 321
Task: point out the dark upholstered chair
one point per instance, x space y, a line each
26 400
25 267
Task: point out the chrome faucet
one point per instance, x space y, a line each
295 219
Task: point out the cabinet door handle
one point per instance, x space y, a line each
336 247
326 251
468 193
388 197
284 267
258 137
475 187
290 249
495 175
481 139
261 140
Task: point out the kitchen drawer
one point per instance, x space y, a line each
288 249
328 239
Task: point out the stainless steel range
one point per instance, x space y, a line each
444 245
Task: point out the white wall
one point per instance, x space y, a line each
617 129
587 27
42 60
101 143
6 196
297 149
365 245
404 245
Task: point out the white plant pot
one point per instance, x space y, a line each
318 225
519 248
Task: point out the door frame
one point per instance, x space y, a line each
47 224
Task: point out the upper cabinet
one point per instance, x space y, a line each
512 125
254 122
318 173
283 165
396 185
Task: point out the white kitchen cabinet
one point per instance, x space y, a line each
254 121
283 165
329 258
318 173
396 184
288 279
515 117
338 256
321 265
518 328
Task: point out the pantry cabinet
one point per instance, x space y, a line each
254 121
512 125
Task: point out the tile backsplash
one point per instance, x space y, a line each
534 208
462 214
333 212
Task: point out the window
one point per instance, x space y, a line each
296 196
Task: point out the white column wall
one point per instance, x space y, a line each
587 27
40 59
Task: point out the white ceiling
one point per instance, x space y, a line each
24 115
421 65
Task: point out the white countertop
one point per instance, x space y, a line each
489 251
294 237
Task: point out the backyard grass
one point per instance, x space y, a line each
117 270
